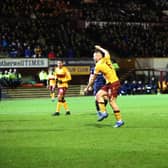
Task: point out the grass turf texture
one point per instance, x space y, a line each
31 138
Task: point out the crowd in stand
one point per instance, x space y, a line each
41 38
120 11
133 40
54 28
34 8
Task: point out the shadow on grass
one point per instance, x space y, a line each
98 125
88 114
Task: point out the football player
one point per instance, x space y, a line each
110 89
63 76
51 82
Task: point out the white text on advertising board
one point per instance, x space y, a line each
24 63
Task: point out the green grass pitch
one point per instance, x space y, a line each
31 138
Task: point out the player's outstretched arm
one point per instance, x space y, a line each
98 47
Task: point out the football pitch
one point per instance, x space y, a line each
30 137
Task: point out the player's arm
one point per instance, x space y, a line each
102 50
107 56
92 78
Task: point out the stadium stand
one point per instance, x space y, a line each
129 29
70 28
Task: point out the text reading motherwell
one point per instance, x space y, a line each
22 63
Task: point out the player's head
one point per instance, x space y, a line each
60 63
99 51
97 55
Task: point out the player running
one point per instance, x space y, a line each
63 76
51 82
110 89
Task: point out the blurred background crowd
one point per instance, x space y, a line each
70 28
66 28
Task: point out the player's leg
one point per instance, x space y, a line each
100 99
97 105
49 87
105 100
113 103
117 114
52 93
64 102
96 102
59 102
115 108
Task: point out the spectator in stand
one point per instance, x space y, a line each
4 43
70 53
51 54
37 52
59 51
28 52
13 52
